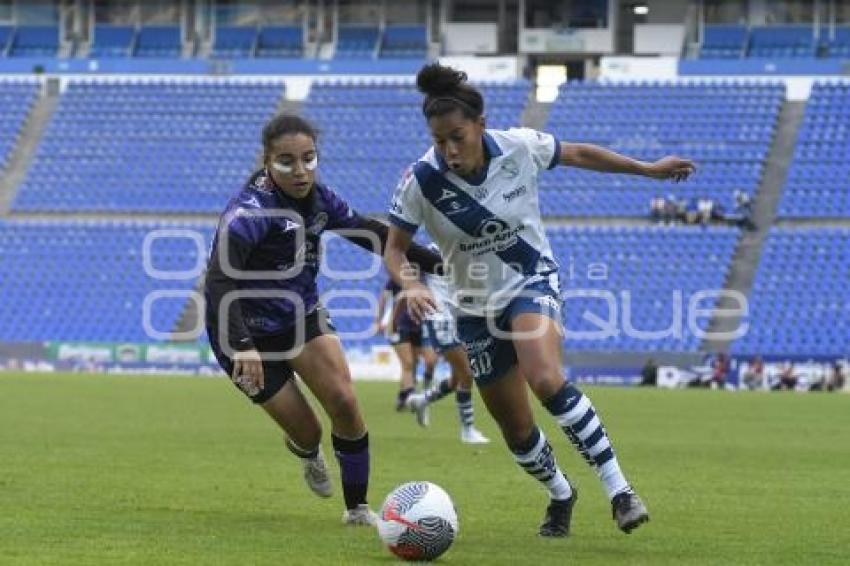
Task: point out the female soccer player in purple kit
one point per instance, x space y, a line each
476 193
263 314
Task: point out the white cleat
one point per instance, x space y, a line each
316 475
418 403
360 516
471 435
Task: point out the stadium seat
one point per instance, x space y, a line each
724 42
112 41
817 178
783 321
726 127
234 41
159 41
34 41
356 42
786 41
281 41
92 283
161 145
404 42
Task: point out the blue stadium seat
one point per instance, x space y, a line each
404 42
34 41
356 42
159 41
112 41
783 321
786 41
724 42
164 145
726 127
234 41
91 280
817 178
281 42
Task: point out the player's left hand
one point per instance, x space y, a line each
671 167
420 302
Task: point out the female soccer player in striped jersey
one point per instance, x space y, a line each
475 191
263 315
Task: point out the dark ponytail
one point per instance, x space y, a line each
447 90
286 124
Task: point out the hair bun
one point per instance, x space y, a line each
437 80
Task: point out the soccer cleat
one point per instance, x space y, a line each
316 475
360 516
629 511
471 435
558 517
418 403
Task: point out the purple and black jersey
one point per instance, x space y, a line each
272 245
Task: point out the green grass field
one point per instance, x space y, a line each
155 470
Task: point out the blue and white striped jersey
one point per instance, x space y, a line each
489 229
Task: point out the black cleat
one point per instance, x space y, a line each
558 516
629 511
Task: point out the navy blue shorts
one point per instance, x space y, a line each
491 355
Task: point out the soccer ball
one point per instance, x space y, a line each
418 521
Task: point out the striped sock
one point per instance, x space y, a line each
464 407
436 393
536 458
579 421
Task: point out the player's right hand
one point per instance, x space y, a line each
248 371
420 302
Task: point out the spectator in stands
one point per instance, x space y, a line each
274 225
837 379
744 210
787 379
692 212
753 378
649 373
719 371
705 209
658 209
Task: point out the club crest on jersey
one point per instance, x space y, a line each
481 193
319 223
510 168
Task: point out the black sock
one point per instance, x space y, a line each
353 458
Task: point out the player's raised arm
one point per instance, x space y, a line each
596 158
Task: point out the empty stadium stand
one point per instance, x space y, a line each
148 146
727 128
817 180
16 100
800 304
77 280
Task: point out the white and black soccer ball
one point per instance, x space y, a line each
418 521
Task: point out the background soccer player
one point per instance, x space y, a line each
405 336
273 226
475 191
440 334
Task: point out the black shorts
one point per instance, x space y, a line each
276 372
412 335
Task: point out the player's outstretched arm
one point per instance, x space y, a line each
596 158
428 261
